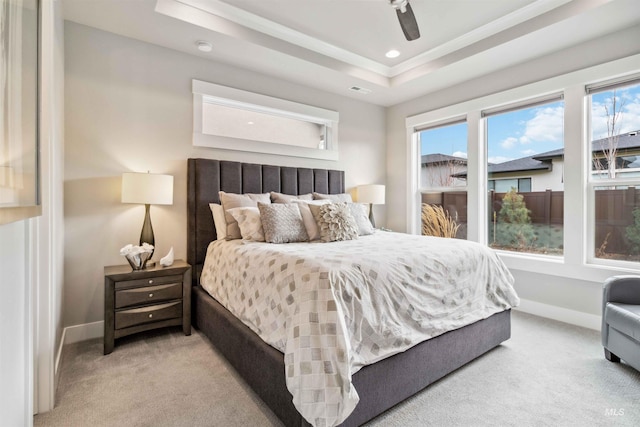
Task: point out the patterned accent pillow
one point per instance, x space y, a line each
335 222
232 200
335 198
282 223
288 198
249 223
359 213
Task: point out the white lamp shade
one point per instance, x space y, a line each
374 194
147 188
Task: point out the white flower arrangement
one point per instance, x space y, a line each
137 256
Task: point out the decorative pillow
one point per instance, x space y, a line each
288 198
335 222
282 223
359 213
232 200
307 217
335 198
219 221
249 223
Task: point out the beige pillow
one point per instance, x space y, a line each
335 198
335 222
249 223
288 198
232 200
359 212
218 220
307 217
282 223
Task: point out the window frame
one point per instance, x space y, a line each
593 182
574 264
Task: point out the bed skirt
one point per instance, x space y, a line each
380 386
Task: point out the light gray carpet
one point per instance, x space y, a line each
547 374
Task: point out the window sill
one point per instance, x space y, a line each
557 266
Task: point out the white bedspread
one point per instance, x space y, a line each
332 308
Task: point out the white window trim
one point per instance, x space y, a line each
236 98
574 263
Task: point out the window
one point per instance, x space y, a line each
525 153
234 119
614 181
569 135
443 178
522 185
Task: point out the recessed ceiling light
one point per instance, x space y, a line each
362 90
392 54
204 46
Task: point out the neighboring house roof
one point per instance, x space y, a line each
543 161
431 159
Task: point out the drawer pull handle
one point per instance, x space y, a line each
150 295
150 316
150 281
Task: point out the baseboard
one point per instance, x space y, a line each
86 331
566 315
58 359
77 333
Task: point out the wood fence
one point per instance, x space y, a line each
614 211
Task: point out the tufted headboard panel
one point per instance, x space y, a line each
206 177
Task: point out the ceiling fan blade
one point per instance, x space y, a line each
408 23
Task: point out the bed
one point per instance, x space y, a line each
380 385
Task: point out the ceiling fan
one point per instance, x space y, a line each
407 18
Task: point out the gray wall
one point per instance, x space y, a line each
128 107
552 290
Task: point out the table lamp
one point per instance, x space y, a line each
374 195
148 189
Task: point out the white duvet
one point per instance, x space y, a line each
332 308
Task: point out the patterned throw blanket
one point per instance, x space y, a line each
332 308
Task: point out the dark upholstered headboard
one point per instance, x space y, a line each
206 177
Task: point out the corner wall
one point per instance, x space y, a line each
128 107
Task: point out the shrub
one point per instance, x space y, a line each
437 222
633 232
514 227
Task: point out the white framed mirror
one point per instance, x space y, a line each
235 119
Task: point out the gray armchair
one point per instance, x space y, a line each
621 319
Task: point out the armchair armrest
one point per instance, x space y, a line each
623 289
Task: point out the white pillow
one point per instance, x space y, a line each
360 213
335 198
287 198
307 217
219 221
249 223
232 200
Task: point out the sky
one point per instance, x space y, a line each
534 130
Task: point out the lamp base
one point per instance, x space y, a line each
371 219
146 236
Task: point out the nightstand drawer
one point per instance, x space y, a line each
123 284
152 313
148 294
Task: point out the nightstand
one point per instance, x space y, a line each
136 301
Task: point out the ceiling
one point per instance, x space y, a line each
334 45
